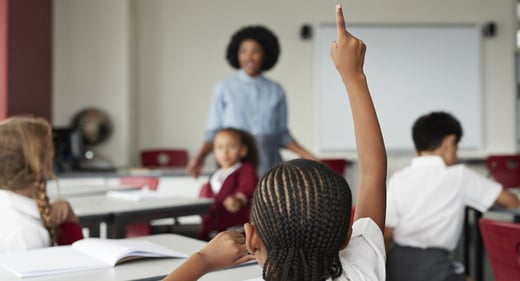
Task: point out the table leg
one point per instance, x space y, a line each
466 232
479 247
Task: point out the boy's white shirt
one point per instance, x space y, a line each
22 227
218 178
364 258
426 202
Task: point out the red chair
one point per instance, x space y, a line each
505 169
68 233
337 165
501 241
164 158
139 229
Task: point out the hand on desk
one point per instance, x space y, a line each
61 212
228 248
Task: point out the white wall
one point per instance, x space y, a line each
91 67
176 52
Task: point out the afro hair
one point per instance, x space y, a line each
263 36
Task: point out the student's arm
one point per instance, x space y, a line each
348 54
507 200
226 249
246 184
196 164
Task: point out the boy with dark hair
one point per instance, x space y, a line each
426 202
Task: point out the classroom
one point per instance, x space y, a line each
152 66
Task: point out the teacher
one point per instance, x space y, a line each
249 101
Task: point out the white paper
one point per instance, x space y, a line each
134 195
86 254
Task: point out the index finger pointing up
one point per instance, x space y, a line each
340 21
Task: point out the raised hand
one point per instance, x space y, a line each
348 52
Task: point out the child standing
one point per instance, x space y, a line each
233 184
426 203
300 216
28 219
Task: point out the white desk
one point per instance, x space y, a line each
150 269
117 213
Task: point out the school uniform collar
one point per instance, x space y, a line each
244 76
20 203
229 170
429 160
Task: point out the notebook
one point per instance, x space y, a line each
86 254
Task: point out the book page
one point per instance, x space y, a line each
52 260
86 254
115 251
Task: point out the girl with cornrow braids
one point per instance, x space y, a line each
299 227
28 219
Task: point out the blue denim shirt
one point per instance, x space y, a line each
256 105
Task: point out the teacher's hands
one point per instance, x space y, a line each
194 167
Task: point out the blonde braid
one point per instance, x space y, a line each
44 207
26 152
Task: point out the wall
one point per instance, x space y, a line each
175 51
92 67
25 58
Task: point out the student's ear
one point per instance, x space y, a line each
252 239
448 141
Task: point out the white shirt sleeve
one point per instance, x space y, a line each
392 215
365 256
479 192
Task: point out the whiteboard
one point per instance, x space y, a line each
411 70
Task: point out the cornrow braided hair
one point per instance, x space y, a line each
26 153
301 210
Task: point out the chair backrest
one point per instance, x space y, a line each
141 181
337 165
501 241
165 158
505 169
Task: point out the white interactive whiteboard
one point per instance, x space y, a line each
411 70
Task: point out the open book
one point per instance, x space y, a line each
86 254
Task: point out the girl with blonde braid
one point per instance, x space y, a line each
29 220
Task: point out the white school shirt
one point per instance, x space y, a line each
218 178
364 258
426 202
21 227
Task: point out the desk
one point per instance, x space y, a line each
150 269
117 213
68 191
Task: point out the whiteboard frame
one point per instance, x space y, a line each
474 143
